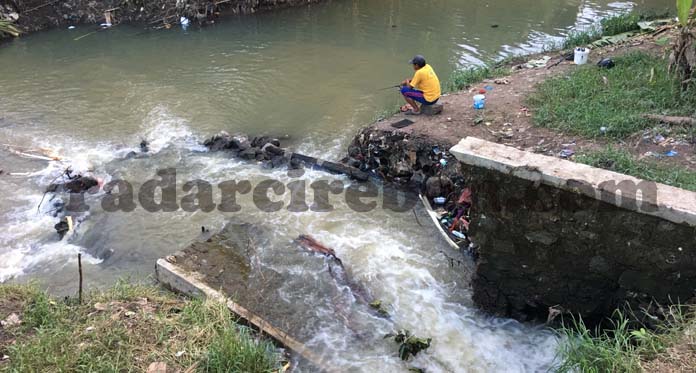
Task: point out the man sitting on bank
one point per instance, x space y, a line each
424 87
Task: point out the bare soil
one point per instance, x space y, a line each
507 120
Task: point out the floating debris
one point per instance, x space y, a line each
377 305
409 345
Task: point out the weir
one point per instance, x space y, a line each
555 235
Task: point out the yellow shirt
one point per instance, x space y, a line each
425 80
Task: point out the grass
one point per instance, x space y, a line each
464 78
626 346
621 23
580 38
589 98
127 328
620 160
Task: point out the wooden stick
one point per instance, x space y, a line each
39 7
79 269
671 119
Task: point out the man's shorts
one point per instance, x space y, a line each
416 95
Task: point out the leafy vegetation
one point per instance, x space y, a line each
610 26
621 23
7 27
589 98
126 328
581 38
620 160
627 346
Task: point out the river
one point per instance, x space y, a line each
311 74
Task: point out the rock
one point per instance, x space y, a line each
62 228
542 237
11 320
81 184
260 142
438 186
402 169
78 184
144 146
249 153
157 367
352 162
433 109
272 150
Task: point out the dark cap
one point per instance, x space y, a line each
417 60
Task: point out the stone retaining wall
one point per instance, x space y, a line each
553 233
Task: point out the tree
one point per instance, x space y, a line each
683 57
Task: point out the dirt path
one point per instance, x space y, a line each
507 120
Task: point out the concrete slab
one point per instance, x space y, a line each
669 203
192 284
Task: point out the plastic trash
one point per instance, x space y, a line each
440 200
71 27
567 153
672 153
479 102
606 63
184 22
459 234
488 88
603 130
581 55
443 162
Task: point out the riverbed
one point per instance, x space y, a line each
311 75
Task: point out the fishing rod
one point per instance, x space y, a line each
394 86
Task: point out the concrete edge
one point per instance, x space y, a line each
645 197
191 284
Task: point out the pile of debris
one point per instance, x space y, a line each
418 162
267 150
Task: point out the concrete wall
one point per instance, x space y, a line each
553 233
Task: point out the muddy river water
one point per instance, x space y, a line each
311 74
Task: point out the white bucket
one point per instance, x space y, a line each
581 55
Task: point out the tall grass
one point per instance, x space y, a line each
624 344
621 23
617 348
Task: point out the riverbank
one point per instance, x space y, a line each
36 15
546 104
615 117
127 327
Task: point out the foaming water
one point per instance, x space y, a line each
308 74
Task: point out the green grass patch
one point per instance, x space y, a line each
622 161
581 38
589 98
126 328
464 78
624 345
621 23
